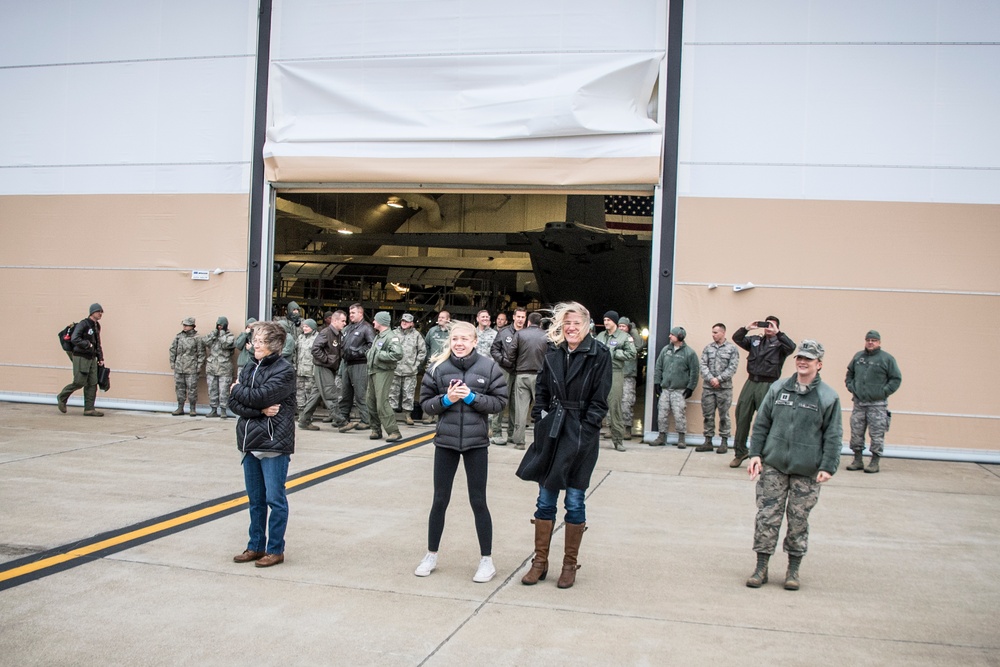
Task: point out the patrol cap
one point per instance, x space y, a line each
187 322
624 320
873 334
810 349
311 323
679 332
383 318
611 315
95 308
407 317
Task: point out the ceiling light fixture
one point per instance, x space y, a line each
396 202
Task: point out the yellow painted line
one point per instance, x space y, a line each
197 514
358 460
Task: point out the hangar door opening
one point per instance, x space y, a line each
423 252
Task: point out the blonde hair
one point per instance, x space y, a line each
559 313
456 326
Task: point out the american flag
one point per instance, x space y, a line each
628 213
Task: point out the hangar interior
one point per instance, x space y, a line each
462 251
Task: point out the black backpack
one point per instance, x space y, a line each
66 336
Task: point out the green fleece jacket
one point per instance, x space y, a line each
676 368
873 377
799 434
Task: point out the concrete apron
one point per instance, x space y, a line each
902 565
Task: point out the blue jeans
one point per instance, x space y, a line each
265 482
576 510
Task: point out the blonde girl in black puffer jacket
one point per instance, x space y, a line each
463 388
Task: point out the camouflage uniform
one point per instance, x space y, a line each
672 402
797 433
676 371
779 494
628 383
719 361
219 346
871 378
187 356
404 379
305 382
484 340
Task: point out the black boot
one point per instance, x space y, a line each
858 463
792 576
759 576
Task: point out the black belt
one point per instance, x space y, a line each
761 378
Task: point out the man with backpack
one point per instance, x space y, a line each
88 357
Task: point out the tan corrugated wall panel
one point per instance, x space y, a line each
136 254
832 271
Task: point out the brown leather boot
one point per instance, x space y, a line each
574 535
540 563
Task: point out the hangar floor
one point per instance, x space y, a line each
902 567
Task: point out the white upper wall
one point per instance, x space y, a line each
127 97
324 29
892 101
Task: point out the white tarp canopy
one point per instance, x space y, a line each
568 102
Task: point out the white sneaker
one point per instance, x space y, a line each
427 565
486 570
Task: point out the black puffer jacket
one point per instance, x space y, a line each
463 426
270 381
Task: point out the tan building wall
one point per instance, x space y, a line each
133 254
926 276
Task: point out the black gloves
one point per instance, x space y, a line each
657 389
687 393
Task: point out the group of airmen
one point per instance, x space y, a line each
365 373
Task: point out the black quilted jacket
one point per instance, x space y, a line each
463 426
262 384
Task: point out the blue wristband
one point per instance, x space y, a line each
470 398
447 401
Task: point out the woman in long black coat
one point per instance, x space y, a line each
570 403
